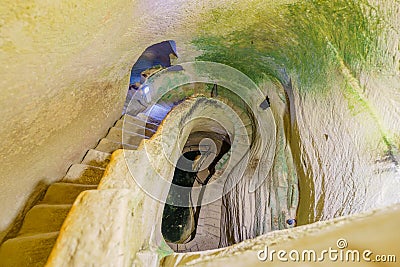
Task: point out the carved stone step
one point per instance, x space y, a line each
44 218
149 119
139 121
64 193
96 158
83 174
109 146
27 251
129 138
157 113
134 128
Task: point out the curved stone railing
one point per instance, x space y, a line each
120 216
142 178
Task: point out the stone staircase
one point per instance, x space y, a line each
41 225
208 230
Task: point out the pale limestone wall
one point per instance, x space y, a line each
65 70
247 214
63 81
345 165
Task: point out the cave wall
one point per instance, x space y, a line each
63 81
338 62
